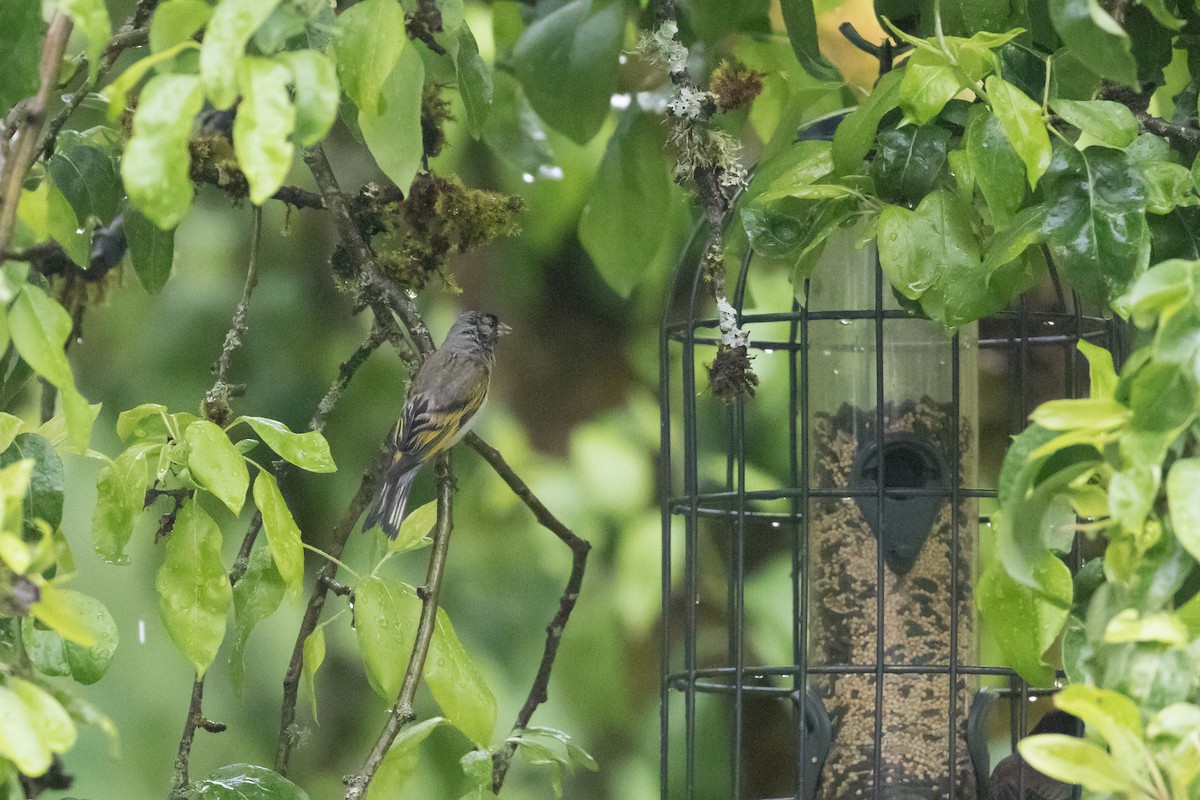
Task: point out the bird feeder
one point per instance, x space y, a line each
822 539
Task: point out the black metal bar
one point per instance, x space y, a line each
955 551
881 483
798 474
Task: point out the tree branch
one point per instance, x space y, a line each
538 693
22 146
379 293
402 712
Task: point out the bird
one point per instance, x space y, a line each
1006 782
447 392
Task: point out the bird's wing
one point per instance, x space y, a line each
425 430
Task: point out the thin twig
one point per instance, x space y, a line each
346 371
22 146
402 712
216 402
538 693
195 719
132 36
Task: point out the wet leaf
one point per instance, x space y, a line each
232 24
283 535
263 128
392 127
566 63
368 39
216 464
246 782
308 450
458 686
193 587
255 597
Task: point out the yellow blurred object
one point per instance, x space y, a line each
858 68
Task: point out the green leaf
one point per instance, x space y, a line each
458 686
52 724
316 93
393 135
801 22
263 128
10 426
1095 37
216 464
927 87
911 242
566 62
55 610
1025 622
621 225
1131 494
89 663
118 91
1168 186
283 535
1164 17
996 166
233 23
1184 501
513 132
245 782
1163 398
474 81
67 229
386 613
44 493
1092 413
801 164
145 422
177 21
1096 224
39 327
1102 375
1021 120
193 587
46 649
401 760
309 451
256 596
1073 760
931 254
415 527
1025 230
1161 290
368 39
314 657
91 19
1111 123
151 250
87 178
1161 628
156 161
20 739
909 162
855 134
21 33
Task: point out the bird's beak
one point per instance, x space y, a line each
503 330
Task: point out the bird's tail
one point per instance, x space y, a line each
388 509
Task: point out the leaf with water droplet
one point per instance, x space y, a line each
308 450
